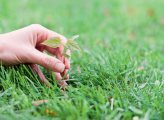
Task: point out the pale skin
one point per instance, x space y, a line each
23 46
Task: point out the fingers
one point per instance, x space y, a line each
42 78
37 70
49 62
59 65
43 34
37 58
67 67
67 63
65 74
59 78
60 56
58 52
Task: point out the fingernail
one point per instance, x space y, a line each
59 67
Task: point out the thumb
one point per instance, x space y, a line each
46 61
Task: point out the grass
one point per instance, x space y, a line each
119 74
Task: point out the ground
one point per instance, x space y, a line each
119 74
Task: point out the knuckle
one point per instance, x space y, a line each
36 27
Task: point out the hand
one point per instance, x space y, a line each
24 46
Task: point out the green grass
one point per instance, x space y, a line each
122 60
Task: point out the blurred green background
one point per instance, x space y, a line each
122 58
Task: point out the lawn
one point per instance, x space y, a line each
119 74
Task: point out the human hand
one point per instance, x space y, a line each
24 46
